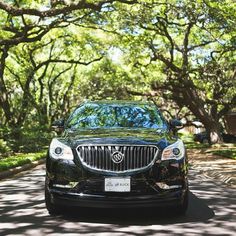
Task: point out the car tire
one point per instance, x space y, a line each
182 208
52 208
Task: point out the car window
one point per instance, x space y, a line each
114 116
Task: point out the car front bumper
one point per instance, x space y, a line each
173 198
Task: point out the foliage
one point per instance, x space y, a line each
4 148
30 138
190 143
33 139
107 80
19 160
54 54
190 46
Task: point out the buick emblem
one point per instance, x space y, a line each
117 157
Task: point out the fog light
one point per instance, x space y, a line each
68 186
166 186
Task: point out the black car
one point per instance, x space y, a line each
116 154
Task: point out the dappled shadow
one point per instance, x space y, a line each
218 167
22 212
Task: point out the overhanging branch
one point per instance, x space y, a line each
77 62
65 9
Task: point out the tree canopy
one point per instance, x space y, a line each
56 53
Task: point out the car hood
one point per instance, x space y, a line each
160 138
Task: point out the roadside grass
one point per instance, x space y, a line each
230 152
20 159
195 145
225 150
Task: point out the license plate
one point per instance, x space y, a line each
117 184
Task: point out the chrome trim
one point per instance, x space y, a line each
100 163
166 186
67 186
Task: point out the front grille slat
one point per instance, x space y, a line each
141 156
106 160
99 157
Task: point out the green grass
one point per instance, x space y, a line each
20 159
230 152
225 149
195 145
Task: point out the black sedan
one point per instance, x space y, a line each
116 154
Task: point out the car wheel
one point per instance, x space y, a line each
182 208
52 208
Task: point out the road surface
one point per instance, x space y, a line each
212 211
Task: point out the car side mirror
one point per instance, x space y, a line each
175 125
58 125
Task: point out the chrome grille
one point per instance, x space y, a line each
99 157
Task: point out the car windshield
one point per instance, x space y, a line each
93 115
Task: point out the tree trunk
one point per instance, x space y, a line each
197 106
213 129
4 96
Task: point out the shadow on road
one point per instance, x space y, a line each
22 212
147 216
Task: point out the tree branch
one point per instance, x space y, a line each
67 62
65 9
166 61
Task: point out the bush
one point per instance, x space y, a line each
33 140
23 139
20 159
4 148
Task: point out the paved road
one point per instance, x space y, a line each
212 211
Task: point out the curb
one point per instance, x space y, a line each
18 169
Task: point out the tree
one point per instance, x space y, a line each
27 22
189 47
35 71
181 51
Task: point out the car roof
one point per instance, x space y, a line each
120 102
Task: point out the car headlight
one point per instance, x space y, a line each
174 151
60 150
